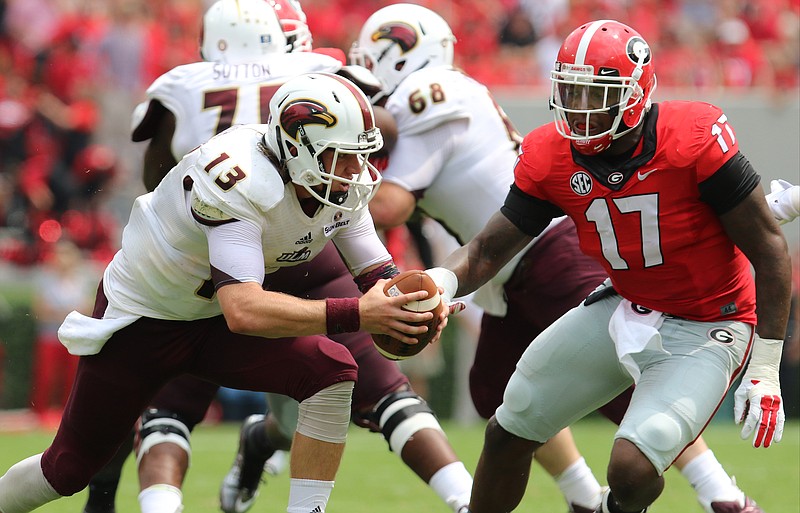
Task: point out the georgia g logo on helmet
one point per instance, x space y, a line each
401 33
638 50
299 113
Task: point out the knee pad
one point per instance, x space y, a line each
161 426
401 414
325 415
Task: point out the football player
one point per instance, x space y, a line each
185 107
663 199
184 293
470 147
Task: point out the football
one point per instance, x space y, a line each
403 283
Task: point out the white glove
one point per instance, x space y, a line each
447 281
758 401
784 200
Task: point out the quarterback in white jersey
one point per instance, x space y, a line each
184 295
454 160
179 235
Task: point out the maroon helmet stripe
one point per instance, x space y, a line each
366 111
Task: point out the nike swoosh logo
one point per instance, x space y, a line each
644 175
607 71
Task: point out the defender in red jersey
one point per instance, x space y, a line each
665 202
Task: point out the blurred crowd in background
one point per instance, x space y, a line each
72 71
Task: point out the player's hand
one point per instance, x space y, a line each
784 200
757 401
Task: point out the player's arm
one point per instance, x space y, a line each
158 158
155 123
392 205
752 227
734 194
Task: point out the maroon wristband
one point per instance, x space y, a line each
342 315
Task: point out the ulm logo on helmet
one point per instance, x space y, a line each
638 51
401 33
299 113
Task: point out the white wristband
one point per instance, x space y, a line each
446 279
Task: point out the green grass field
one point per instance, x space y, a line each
373 479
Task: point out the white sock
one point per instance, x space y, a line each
307 494
453 484
161 498
579 486
24 487
710 480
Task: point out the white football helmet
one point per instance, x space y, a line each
236 31
316 112
294 24
400 39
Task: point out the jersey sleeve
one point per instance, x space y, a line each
709 142
235 253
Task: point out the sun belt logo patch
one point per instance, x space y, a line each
300 113
401 33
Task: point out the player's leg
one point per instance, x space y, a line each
286 366
500 345
716 491
410 428
163 441
567 372
102 494
552 277
260 437
109 391
679 390
408 423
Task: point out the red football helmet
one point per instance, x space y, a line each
294 24
603 67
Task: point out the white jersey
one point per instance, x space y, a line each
469 147
163 270
209 97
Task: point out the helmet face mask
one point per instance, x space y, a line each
317 121
237 31
400 39
601 85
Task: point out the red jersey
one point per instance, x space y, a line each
643 220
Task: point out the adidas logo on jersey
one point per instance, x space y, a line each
305 239
316 510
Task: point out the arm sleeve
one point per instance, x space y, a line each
732 182
531 215
235 253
